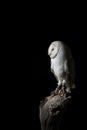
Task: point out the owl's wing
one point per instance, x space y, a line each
69 69
66 66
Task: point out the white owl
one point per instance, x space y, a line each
62 65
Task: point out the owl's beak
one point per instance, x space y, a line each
49 53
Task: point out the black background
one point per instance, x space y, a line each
42 25
43 81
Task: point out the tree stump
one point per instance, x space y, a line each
52 108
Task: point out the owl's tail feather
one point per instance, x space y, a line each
73 86
69 89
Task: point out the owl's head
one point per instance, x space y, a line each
54 49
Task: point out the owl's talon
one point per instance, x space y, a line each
57 90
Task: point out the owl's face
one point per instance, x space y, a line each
53 49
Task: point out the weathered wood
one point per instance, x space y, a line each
52 109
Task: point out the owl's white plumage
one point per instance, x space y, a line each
62 64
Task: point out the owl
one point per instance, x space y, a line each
62 65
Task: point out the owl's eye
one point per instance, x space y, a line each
52 49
